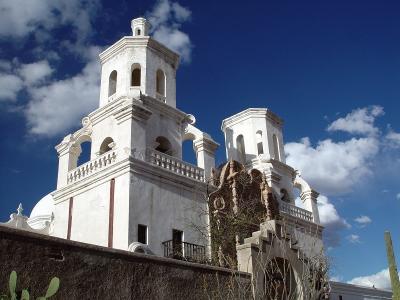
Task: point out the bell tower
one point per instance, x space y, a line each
254 138
135 188
137 65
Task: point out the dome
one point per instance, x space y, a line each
42 213
45 207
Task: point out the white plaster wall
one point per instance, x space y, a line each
164 207
108 128
162 125
90 215
121 212
122 63
154 62
60 228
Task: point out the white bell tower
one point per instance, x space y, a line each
136 187
137 65
254 138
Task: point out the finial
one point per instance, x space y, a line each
140 27
19 210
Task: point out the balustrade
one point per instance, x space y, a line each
174 164
295 211
92 166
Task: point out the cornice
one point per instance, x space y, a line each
163 108
252 113
132 165
143 41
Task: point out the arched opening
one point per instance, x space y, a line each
138 31
106 145
136 75
163 145
188 152
160 83
112 83
241 149
276 147
279 280
260 148
84 156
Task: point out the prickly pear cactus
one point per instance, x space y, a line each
12 285
394 277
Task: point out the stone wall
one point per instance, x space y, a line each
93 272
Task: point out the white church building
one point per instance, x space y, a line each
136 188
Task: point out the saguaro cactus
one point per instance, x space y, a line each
394 275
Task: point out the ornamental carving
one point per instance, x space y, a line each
241 201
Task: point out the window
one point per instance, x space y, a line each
177 240
241 149
136 74
112 83
260 148
163 145
138 31
106 145
340 297
142 234
160 83
276 147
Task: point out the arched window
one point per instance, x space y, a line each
106 145
112 83
160 82
163 145
276 147
137 31
136 74
260 148
241 149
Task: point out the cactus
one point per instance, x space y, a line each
51 290
394 276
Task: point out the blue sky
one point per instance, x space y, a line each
331 70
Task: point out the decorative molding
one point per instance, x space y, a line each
132 109
252 113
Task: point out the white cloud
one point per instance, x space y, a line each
354 239
20 18
363 220
398 196
359 121
10 85
380 280
333 167
59 105
166 19
35 73
5 65
331 220
392 139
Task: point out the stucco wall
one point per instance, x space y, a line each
93 272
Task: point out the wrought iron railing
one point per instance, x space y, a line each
184 251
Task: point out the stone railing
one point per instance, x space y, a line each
295 211
174 164
92 166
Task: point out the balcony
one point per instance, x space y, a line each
174 165
92 166
184 251
295 211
